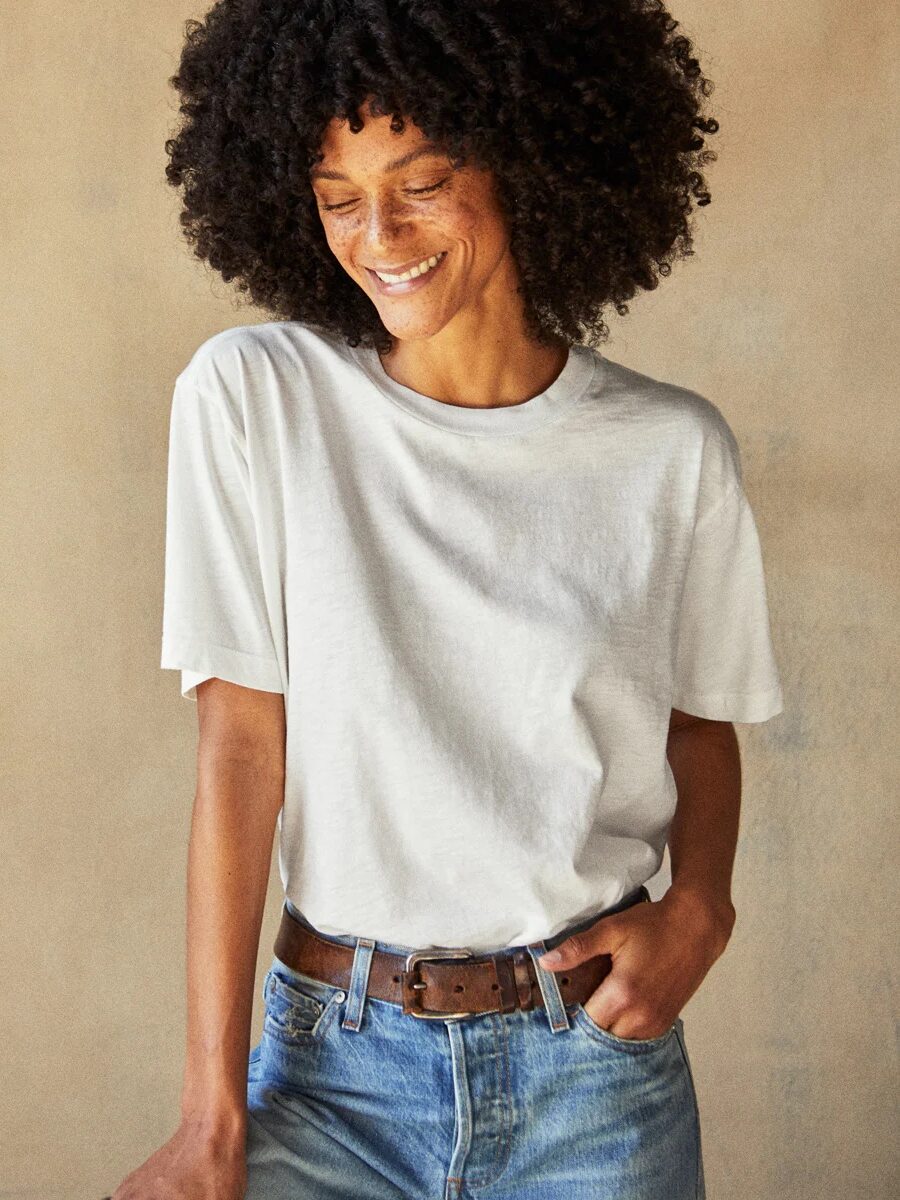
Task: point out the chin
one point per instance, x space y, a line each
411 330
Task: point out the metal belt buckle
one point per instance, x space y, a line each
418 956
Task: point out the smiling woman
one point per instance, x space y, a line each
509 591
428 241
586 119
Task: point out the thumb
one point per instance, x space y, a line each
598 939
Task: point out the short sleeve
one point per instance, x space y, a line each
725 667
215 618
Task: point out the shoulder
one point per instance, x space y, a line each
685 421
653 399
243 348
236 370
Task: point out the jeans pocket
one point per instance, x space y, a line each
298 1007
588 1026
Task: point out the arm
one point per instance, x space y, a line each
705 759
240 790
662 952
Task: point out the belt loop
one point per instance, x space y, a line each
553 1001
359 981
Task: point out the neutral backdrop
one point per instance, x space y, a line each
783 318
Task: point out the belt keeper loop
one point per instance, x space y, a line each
524 983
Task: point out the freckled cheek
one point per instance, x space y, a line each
341 246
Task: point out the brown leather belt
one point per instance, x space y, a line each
441 983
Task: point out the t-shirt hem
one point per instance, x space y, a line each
742 707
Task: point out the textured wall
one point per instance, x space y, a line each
781 319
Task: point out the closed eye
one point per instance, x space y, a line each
410 191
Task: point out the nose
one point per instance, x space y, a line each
384 229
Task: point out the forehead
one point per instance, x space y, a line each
375 149
395 164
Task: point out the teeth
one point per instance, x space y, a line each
413 273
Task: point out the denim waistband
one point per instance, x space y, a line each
397 948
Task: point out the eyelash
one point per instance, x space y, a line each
413 191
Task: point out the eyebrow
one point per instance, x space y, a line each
427 151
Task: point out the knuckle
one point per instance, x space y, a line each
624 992
646 1018
575 945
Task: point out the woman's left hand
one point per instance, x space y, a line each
661 952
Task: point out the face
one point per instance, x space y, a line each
391 202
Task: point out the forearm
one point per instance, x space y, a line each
705 762
232 831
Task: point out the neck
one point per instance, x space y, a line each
490 374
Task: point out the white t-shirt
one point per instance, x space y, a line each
480 620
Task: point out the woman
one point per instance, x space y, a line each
468 609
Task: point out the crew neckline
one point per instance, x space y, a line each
569 385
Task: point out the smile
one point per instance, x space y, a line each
409 281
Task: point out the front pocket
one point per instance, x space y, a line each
298 1008
629 1045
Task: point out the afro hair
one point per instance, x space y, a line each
587 112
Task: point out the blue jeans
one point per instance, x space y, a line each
349 1099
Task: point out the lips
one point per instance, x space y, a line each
407 266
408 286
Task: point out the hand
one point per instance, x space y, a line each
661 952
195 1164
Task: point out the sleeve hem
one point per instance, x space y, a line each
742 707
198 661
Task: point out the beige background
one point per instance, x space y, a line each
782 319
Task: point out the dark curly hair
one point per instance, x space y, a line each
586 111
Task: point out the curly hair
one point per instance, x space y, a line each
586 111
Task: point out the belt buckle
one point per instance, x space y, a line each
418 956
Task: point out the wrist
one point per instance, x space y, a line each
712 909
218 1120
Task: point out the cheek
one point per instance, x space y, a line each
340 242
476 224
477 219
485 235
335 235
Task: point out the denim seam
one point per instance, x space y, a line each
504 1146
697 1149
